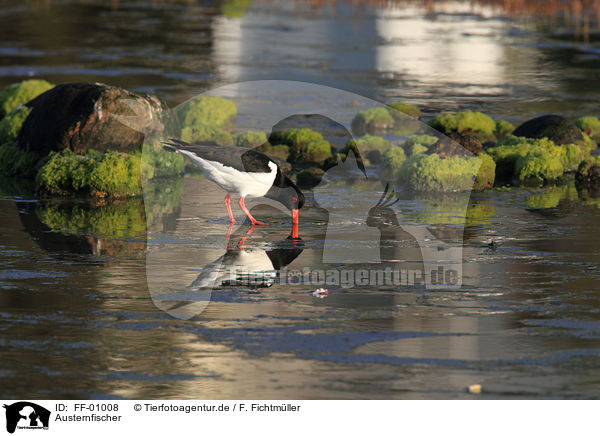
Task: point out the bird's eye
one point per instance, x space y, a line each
294 198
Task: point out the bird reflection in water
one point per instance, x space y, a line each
240 267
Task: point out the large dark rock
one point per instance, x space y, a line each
81 116
554 127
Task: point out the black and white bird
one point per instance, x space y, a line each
244 172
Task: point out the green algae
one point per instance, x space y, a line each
251 139
393 158
20 93
112 173
207 118
503 128
10 125
589 126
463 122
430 173
403 108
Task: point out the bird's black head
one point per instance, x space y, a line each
286 192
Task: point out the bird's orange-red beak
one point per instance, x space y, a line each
295 220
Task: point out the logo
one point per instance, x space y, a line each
26 415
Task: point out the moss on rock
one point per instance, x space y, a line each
417 149
296 139
503 128
424 140
588 171
487 173
10 125
20 93
108 174
590 126
251 139
393 158
372 120
404 108
539 166
317 151
463 122
523 158
207 118
430 173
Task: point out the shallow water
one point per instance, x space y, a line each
77 316
83 311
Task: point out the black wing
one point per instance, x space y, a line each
240 158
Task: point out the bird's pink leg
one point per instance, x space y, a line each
228 206
253 220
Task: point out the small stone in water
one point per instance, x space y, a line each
474 389
320 293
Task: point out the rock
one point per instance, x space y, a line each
84 116
554 127
588 172
471 143
309 178
374 157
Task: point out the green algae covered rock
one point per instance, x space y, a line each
503 128
372 120
404 108
430 173
367 143
417 149
424 140
20 93
464 122
394 157
590 126
251 139
297 139
487 173
108 174
10 125
523 158
539 166
588 171
207 118
317 151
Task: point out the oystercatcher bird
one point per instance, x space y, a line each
244 172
